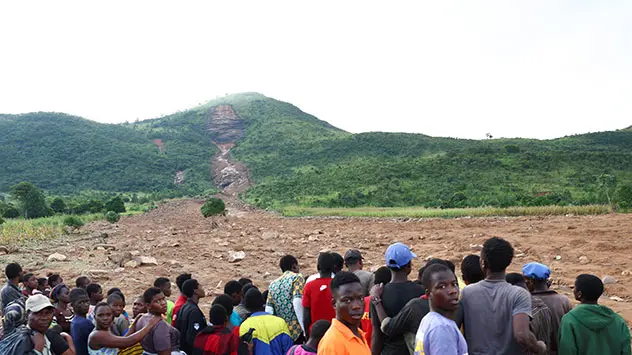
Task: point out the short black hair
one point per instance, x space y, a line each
53 278
287 262
80 280
226 301
76 293
434 261
232 286
13 270
42 281
343 278
26 277
247 287
114 297
93 288
150 293
161 281
99 305
116 290
189 287
218 315
180 280
326 263
253 300
497 254
590 286
382 275
471 269
244 281
431 270
397 269
319 328
515 279
339 262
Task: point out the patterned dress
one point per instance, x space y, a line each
282 292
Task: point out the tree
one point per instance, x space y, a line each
58 205
624 196
31 199
116 204
607 183
213 207
10 212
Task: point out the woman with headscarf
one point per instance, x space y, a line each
63 314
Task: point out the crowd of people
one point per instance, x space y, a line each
343 310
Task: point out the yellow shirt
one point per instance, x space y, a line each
340 340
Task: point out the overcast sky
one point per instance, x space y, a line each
539 69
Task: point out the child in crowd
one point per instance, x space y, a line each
590 328
80 327
164 285
29 281
42 287
95 293
216 338
319 328
82 282
117 305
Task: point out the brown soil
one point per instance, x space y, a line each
181 240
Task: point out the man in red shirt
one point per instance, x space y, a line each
381 276
317 294
182 299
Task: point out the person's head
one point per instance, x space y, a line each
536 275
95 292
192 288
234 289
496 255
319 328
430 262
155 301
39 313
225 301
181 279
218 315
348 298
253 301
104 315
30 281
60 293
325 264
471 269
516 279
42 284
339 262
382 275
588 288
14 272
54 280
117 304
244 281
246 288
114 290
399 258
353 259
289 263
80 301
82 282
442 288
164 285
139 306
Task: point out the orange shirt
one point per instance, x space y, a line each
340 340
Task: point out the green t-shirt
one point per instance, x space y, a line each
170 306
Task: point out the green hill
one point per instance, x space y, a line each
297 159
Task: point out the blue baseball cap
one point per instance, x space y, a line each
536 271
398 255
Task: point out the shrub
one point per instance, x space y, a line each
112 217
213 206
73 222
1 220
116 204
11 212
58 205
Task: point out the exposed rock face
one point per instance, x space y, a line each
225 126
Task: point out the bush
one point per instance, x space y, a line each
213 206
73 222
58 205
11 212
1 220
116 204
112 217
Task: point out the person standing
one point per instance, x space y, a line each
182 299
216 338
354 263
30 284
285 297
496 314
163 338
344 336
591 328
317 295
11 291
311 346
80 326
190 319
271 335
164 285
40 316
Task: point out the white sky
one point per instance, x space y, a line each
538 69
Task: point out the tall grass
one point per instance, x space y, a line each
19 231
420 212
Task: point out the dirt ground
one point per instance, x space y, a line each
181 240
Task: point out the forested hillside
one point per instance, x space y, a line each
297 159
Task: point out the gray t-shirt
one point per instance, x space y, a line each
438 335
162 337
365 280
488 311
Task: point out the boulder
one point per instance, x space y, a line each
57 257
235 256
131 264
146 260
609 280
268 235
121 258
584 260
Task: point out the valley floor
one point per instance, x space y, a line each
181 240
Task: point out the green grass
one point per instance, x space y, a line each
19 231
420 212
